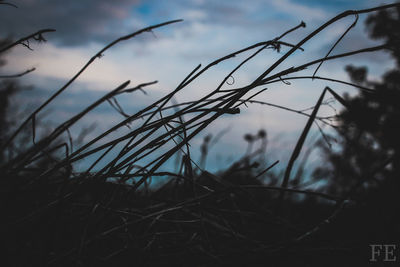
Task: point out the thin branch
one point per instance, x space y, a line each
97 55
304 66
315 32
8 4
38 36
292 190
369 90
337 42
300 143
17 75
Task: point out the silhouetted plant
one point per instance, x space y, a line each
369 127
108 215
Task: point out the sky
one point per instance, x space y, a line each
210 29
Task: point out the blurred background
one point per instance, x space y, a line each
210 30
236 193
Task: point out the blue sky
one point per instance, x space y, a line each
210 29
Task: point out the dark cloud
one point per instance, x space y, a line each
76 22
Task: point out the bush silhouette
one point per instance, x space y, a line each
55 215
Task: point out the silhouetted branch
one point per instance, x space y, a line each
299 144
337 42
8 4
97 55
17 75
37 36
292 190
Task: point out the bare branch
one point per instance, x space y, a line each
17 75
37 36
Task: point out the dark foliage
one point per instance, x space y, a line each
54 215
369 126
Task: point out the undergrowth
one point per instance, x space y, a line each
108 214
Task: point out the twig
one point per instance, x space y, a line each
8 4
337 41
17 75
97 55
299 145
38 36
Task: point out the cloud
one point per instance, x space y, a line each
82 22
211 30
301 10
194 14
76 22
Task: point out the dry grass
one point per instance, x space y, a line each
107 215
